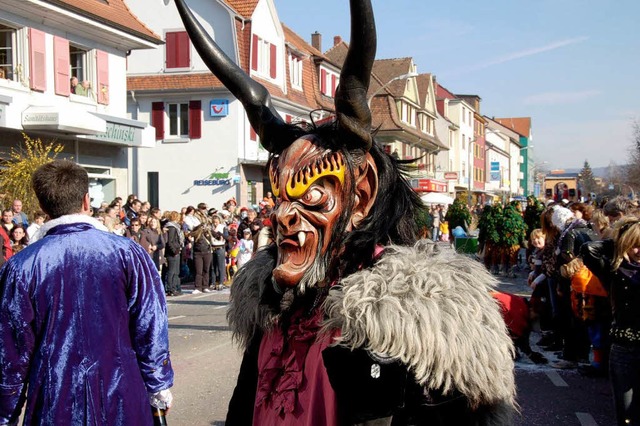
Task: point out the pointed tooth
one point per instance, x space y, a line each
302 237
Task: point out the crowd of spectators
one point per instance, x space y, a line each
198 244
586 286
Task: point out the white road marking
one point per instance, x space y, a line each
221 307
177 317
586 419
556 379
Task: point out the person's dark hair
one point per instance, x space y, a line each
60 187
585 209
190 209
154 211
39 214
617 206
25 239
202 206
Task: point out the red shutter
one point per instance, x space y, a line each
37 57
273 60
61 66
157 119
252 134
195 119
333 85
183 55
323 81
254 53
288 118
102 88
170 48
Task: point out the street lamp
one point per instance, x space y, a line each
400 77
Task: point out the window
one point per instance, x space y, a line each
179 120
464 115
451 138
7 52
470 119
264 57
328 82
295 71
464 168
78 63
177 50
185 120
408 114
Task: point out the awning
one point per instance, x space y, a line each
62 119
436 198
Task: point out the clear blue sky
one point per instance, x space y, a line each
573 66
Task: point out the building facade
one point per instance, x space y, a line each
44 45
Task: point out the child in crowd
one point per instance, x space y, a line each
590 303
537 240
444 231
246 248
537 282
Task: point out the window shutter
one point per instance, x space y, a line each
254 53
37 57
170 50
183 54
333 85
273 60
288 118
61 66
157 119
252 134
195 119
323 81
102 65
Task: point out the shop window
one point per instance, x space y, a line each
7 52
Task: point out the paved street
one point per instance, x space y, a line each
206 364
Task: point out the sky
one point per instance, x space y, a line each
573 66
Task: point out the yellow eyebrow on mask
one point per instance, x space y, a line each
330 165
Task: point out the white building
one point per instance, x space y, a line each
505 149
42 45
205 149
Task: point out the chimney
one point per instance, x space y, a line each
337 40
316 40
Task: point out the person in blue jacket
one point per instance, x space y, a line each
83 319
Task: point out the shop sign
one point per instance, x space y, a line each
429 185
40 118
219 108
451 175
119 133
215 179
495 171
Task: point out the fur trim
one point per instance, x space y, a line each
66 220
252 300
434 313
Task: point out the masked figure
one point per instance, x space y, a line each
345 318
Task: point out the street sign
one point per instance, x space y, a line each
451 175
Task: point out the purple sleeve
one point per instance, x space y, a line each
16 343
149 327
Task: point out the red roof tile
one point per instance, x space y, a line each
520 125
114 13
244 8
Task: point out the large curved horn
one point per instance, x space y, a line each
352 111
275 134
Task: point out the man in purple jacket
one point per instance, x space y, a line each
83 319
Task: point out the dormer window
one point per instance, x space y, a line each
264 57
295 71
328 82
408 114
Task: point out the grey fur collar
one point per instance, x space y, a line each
434 313
431 311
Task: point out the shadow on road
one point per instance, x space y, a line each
199 327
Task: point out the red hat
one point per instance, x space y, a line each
244 209
232 200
